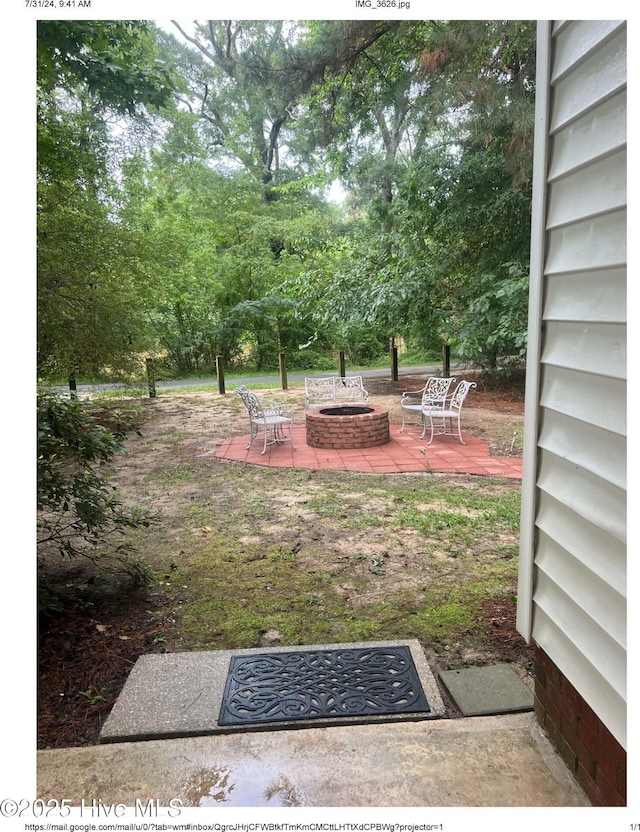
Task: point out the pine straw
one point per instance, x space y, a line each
78 652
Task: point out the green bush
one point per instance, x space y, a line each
79 512
493 333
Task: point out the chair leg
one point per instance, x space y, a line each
460 432
278 435
431 425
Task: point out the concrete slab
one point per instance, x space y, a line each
495 689
480 761
179 695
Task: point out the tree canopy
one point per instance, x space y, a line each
183 191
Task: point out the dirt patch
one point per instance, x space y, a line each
311 557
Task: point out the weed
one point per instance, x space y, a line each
94 698
282 554
365 520
174 473
138 570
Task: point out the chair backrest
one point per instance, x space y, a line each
349 386
436 389
250 401
320 388
460 394
334 389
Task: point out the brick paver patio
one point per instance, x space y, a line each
405 453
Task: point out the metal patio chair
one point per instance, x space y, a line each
275 420
447 413
433 393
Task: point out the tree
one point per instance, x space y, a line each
92 279
438 152
252 78
493 328
226 258
467 227
375 115
212 237
113 64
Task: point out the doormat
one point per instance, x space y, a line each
314 684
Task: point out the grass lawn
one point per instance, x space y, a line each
244 556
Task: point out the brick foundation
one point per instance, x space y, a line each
596 758
361 430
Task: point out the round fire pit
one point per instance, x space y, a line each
344 427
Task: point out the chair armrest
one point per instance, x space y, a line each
433 403
270 406
408 394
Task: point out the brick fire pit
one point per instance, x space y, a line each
347 426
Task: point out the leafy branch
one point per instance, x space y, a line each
79 512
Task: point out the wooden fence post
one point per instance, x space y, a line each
341 365
394 363
220 374
282 361
446 361
151 378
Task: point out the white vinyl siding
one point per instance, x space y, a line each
598 242
578 87
587 296
581 397
603 190
558 436
594 135
572 587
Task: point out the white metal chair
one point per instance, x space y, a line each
275 420
447 412
433 393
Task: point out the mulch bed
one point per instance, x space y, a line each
84 657
501 637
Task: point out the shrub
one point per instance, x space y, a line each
79 512
493 332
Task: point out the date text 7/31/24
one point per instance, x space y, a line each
57 4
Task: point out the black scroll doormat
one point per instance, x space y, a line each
314 684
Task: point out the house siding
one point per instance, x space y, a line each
572 590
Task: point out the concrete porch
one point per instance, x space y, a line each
162 742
